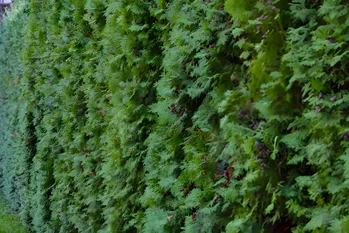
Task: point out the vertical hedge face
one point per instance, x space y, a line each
11 73
176 116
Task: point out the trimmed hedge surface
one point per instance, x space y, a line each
176 116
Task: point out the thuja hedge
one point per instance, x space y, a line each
176 116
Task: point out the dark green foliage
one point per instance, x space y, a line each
176 116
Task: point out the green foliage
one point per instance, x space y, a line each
176 116
9 222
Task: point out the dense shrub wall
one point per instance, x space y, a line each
176 116
15 150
